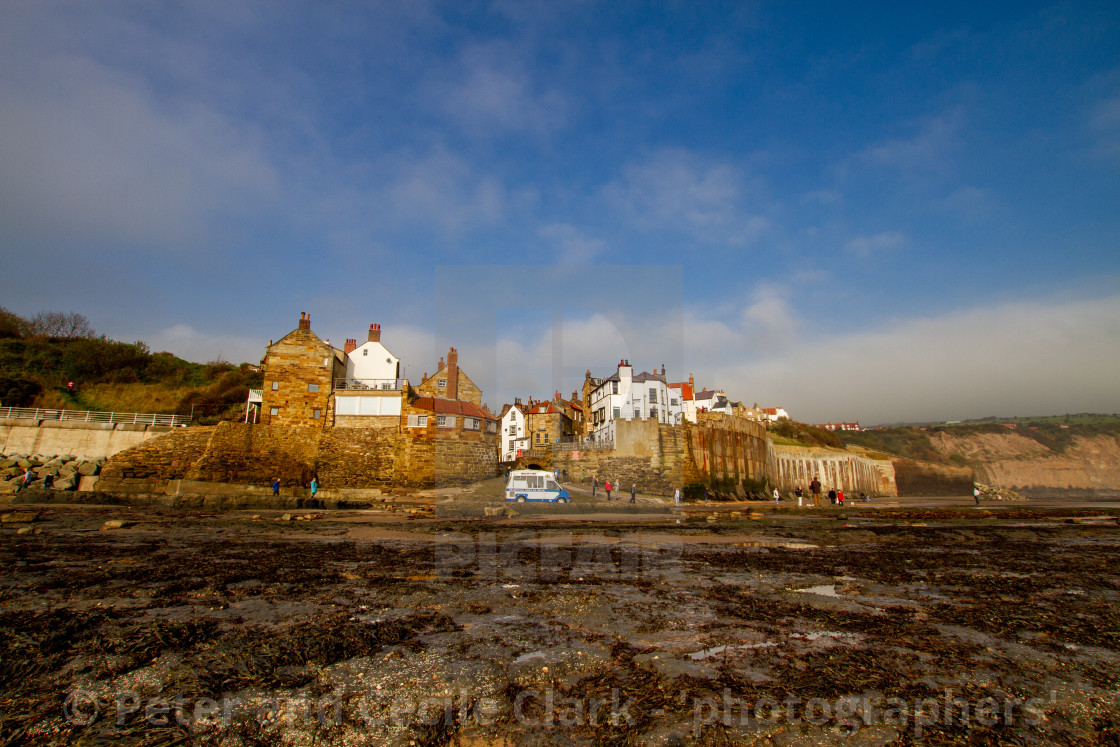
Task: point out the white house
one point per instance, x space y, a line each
628 396
514 432
713 401
685 391
372 390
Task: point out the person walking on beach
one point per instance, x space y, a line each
276 486
832 496
314 487
25 483
677 498
633 492
976 494
800 494
840 496
594 485
707 495
777 496
607 487
815 489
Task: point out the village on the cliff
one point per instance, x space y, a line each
639 426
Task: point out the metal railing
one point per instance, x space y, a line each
92 416
385 385
256 395
581 445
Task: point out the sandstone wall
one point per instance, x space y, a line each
359 458
148 466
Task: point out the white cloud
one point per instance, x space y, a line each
1042 357
574 247
193 345
865 247
677 190
443 189
927 151
489 91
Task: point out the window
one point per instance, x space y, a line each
275 385
537 437
637 412
491 427
315 414
365 352
674 401
445 421
653 412
417 421
471 424
274 411
546 438
614 387
616 412
441 382
653 395
312 387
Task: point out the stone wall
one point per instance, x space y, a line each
797 465
24 436
358 458
148 466
303 369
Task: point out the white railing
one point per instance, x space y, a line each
256 395
386 385
92 416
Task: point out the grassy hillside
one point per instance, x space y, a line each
35 369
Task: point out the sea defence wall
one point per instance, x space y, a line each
341 459
730 453
51 437
852 473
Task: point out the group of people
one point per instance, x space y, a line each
29 477
608 486
835 497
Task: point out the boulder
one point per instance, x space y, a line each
70 468
69 482
19 517
23 463
54 464
117 524
8 462
89 468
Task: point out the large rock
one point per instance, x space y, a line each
70 468
19 517
8 462
89 468
66 483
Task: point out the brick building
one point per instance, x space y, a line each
450 382
299 374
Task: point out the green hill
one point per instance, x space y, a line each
40 356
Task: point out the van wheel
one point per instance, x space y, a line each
520 499
562 500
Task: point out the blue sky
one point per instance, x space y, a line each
875 212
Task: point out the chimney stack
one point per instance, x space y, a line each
453 374
375 333
351 346
304 320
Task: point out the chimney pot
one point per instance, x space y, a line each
375 333
304 320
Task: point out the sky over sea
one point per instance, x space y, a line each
869 212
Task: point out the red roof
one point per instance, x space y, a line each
443 406
685 387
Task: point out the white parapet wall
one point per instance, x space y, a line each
52 437
797 466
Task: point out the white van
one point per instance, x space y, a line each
535 485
